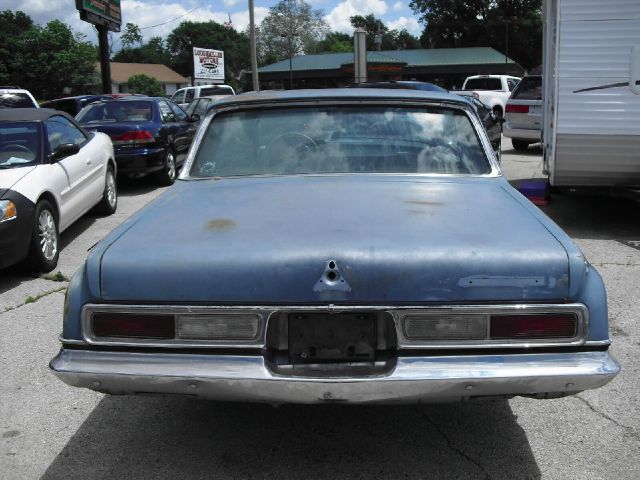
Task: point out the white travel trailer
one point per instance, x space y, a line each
591 131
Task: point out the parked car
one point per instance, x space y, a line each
51 173
16 97
338 246
199 106
73 105
150 135
185 96
406 84
492 90
523 113
491 121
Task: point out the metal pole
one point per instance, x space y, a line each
290 69
105 66
254 57
506 42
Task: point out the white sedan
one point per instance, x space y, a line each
52 172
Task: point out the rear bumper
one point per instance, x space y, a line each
535 135
411 380
141 160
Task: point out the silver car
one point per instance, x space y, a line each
523 113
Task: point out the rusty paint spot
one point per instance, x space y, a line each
422 202
220 224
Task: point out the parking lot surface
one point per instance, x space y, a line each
51 431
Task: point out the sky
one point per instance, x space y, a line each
148 14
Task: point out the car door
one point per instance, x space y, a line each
183 131
83 174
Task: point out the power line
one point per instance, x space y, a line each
172 20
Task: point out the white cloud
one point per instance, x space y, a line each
397 6
230 3
338 18
408 23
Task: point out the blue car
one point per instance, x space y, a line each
347 245
150 135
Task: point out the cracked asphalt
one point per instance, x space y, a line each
51 431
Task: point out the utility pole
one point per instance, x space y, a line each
105 65
254 57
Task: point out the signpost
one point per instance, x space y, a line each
208 65
106 16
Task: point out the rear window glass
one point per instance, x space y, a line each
528 89
317 140
483 84
16 100
205 92
123 111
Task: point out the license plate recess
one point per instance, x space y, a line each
336 337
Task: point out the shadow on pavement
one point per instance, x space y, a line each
173 438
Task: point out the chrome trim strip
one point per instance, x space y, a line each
410 380
397 312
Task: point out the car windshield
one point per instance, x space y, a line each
198 107
19 144
313 140
117 111
207 91
483 84
16 100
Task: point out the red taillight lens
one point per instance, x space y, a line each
133 325
133 136
533 326
510 108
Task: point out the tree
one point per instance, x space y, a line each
292 27
46 59
131 36
145 84
154 51
187 35
484 23
335 42
390 39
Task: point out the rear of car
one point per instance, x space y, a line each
11 97
523 113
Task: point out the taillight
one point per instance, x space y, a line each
520 327
133 325
133 137
445 327
510 108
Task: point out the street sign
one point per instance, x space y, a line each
208 65
101 12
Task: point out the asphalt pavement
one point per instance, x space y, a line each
51 431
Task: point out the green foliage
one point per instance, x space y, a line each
46 59
391 39
130 36
291 28
335 42
484 23
145 84
209 34
154 51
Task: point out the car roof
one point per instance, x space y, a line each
328 94
30 114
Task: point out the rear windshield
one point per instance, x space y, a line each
530 88
123 111
70 106
205 92
19 144
340 140
483 84
16 100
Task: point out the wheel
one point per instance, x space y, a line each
167 175
109 202
519 145
45 240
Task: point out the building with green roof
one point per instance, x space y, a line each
447 67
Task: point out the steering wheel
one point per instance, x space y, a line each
15 147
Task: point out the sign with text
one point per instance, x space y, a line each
208 64
101 12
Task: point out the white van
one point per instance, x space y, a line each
591 93
185 96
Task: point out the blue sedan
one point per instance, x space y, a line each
353 246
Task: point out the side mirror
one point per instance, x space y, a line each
194 118
64 150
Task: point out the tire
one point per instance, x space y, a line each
497 110
519 145
45 239
169 171
109 203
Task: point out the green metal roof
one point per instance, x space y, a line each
413 58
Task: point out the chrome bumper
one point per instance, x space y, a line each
532 134
412 380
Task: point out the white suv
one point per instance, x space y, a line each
185 96
14 97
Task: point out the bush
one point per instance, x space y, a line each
145 84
